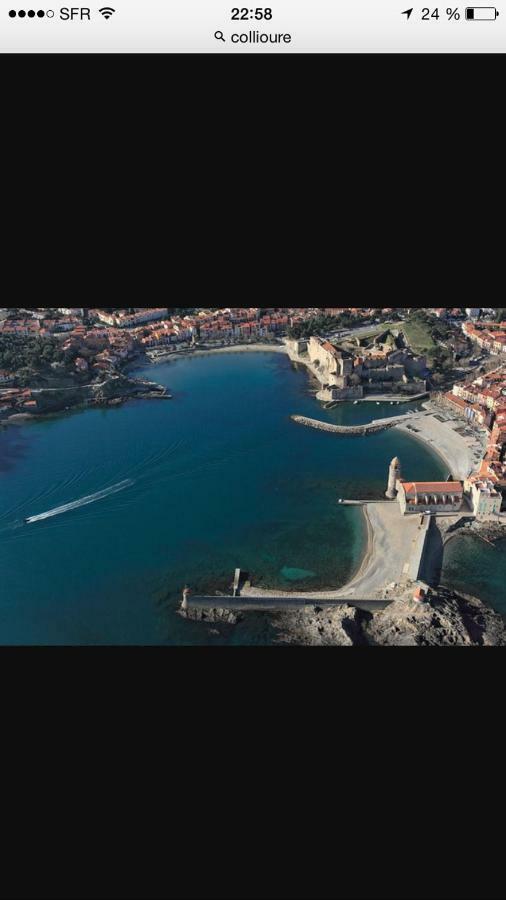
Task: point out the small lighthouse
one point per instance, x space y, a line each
186 594
394 476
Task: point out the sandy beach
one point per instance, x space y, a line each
142 361
236 348
243 348
460 448
392 543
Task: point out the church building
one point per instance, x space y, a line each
424 496
431 497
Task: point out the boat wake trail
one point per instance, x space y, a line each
77 504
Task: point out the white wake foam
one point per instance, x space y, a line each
84 501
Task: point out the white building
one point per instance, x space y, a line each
485 499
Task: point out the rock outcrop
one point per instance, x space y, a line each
216 615
445 619
115 388
341 627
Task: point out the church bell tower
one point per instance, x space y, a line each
394 476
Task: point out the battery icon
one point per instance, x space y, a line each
481 13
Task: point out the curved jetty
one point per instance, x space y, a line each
370 428
455 442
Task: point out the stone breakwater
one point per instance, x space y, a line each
371 428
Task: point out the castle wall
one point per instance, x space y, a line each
330 394
371 363
347 367
333 367
416 366
325 361
298 346
409 389
390 373
415 387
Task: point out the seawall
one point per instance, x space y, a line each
370 428
416 563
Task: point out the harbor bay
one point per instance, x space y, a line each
220 477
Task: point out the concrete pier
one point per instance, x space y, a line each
274 604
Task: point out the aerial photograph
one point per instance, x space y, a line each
327 476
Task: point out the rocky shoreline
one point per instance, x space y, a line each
119 386
113 391
445 619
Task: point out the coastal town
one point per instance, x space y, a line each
441 372
56 358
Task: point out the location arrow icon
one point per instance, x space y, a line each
407 12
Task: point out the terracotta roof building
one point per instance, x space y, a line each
431 496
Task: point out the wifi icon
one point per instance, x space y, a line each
107 11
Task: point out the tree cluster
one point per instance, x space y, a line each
21 352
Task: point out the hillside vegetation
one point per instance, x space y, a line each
418 333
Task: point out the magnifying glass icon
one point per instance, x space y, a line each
219 36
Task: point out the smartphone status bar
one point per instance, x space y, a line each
282 26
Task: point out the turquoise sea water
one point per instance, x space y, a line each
184 491
477 568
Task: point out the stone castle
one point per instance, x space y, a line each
335 369
349 376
